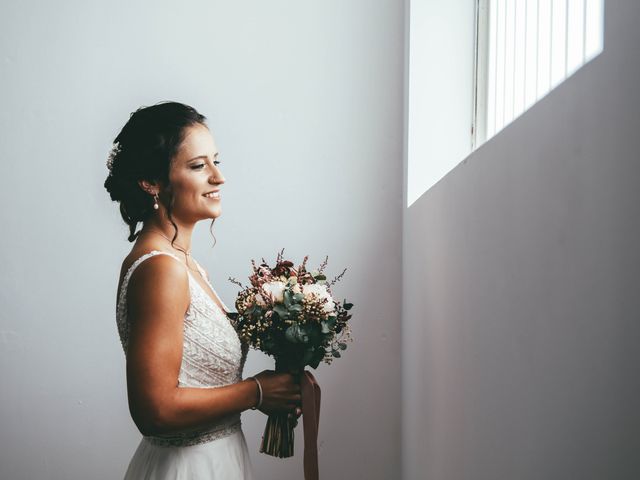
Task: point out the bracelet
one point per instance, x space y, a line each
259 393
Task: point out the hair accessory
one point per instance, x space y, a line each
115 150
259 393
155 201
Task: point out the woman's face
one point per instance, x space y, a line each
195 177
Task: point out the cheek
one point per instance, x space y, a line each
185 192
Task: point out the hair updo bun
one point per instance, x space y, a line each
143 150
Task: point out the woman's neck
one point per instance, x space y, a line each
166 230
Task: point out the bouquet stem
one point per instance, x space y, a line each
277 439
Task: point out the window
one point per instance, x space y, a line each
525 48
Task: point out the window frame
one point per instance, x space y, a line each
480 74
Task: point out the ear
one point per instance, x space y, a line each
149 186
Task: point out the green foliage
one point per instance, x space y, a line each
281 310
317 358
287 298
296 333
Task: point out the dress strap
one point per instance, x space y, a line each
201 270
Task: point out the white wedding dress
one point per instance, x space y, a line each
212 356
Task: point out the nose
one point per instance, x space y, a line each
216 177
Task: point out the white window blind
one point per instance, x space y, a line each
524 48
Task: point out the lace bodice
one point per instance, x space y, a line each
212 354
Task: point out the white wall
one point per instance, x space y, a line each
520 274
305 101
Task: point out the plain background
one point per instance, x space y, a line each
520 301
519 275
305 102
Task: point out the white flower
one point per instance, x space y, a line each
329 307
321 292
296 288
276 289
315 289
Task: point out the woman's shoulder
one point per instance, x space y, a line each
160 279
152 261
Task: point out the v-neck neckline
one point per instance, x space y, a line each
219 306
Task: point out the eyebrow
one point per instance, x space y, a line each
203 157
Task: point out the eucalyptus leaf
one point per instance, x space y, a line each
281 311
292 333
304 333
296 334
287 298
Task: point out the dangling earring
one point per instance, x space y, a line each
155 202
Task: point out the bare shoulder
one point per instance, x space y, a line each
140 249
159 270
160 281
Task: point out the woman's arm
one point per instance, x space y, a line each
158 297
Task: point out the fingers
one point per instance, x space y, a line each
281 392
294 416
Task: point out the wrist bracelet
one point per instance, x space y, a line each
259 393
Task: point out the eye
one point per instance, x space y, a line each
217 162
197 167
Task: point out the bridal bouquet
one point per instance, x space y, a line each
290 313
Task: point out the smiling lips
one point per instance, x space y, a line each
214 194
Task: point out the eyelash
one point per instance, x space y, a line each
199 166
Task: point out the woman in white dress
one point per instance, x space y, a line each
184 358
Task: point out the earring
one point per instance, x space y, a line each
155 202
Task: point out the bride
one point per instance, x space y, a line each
184 359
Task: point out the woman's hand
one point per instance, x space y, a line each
280 393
